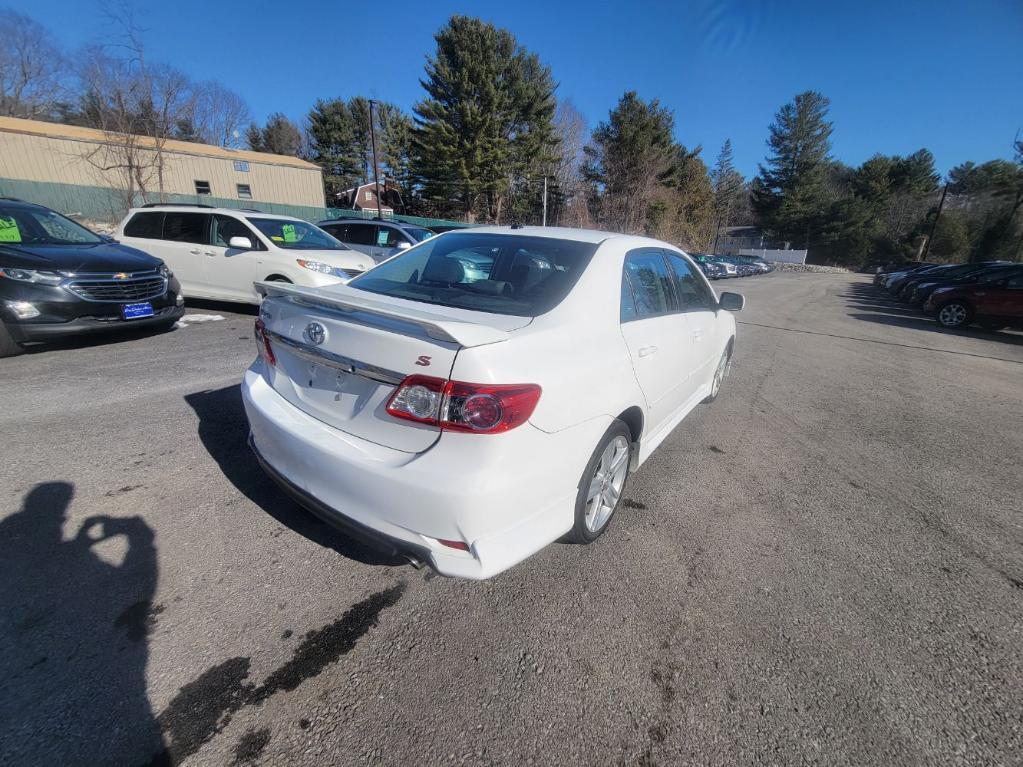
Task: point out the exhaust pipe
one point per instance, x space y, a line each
415 561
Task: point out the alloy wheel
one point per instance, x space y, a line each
606 484
952 315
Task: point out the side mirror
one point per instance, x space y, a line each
732 302
240 243
404 245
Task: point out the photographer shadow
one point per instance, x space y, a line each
75 616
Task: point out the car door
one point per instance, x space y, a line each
389 241
362 237
655 333
1003 299
697 302
183 248
230 272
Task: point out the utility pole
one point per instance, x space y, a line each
545 200
934 223
376 166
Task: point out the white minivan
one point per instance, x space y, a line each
218 253
485 392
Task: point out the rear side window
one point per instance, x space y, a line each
185 227
497 273
147 225
361 234
693 294
648 275
388 237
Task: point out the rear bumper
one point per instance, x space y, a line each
506 496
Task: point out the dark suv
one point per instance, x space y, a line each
58 279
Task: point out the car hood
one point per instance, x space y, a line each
102 257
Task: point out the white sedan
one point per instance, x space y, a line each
467 417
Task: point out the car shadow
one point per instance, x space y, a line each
871 303
223 431
76 612
221 306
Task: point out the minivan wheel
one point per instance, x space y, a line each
8 346
954 314
719 378
602 484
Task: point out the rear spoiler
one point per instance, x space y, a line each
435 326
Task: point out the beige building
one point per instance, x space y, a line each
48 153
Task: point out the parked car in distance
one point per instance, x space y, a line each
451 415
710 267
917 290
376 238
952 272
922 291
993 304
218 253
59 279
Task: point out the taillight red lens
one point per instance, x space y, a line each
263 344
460 545
459 406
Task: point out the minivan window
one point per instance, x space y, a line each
146 225
40 226
292 234
361 234
185 227
226 227
418 233
496 273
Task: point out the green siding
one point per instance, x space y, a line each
99 204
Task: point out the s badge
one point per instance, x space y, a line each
424 361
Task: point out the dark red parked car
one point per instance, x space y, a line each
992 305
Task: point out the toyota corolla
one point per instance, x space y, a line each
486 392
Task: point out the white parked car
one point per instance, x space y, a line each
218 253
486 392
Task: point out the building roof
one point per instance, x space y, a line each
78 133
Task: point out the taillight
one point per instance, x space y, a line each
458 406
263 344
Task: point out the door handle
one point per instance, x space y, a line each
210 253
195 252
646 351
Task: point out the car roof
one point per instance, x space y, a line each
15 202
359 220
198 208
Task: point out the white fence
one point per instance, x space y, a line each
779 256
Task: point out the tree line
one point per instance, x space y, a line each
490 134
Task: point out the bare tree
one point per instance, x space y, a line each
217 115
30 67
572 131
137 104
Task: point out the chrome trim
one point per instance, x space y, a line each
320 356
108 277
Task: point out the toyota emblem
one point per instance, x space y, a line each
315 333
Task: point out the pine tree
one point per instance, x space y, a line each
487 118
332 146
790 192
728 185
279 136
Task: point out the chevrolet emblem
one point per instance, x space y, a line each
121 276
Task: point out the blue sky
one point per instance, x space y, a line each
944 74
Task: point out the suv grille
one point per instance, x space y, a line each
137 288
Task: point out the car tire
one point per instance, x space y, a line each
8 346
602 486
278 278
954 314
719 376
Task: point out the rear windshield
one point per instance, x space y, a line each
496 273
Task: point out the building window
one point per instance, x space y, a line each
241 165
202 187
244 192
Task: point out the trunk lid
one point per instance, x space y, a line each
341 352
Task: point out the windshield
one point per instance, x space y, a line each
496 273
292 234
418 234
38 226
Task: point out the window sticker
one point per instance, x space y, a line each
9 231
382 235
288 230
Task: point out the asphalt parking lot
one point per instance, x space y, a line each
825 565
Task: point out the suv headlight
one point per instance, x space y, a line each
31 275
322 268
